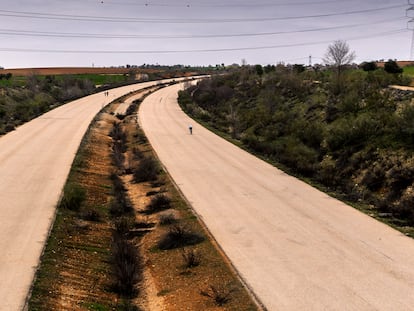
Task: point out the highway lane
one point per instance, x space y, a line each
35 160
296 247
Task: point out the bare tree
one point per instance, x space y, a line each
339 55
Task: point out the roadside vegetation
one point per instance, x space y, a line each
23 98
340 128
125 239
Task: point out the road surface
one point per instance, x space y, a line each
35 161
296 247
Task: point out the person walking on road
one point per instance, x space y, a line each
190 128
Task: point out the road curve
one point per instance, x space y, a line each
296 247
35 160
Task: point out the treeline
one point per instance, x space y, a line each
38 94
350 133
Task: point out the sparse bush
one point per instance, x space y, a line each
120 206
120 116
158 203
126 305
123 225
405 208
179 236
73 197
117 182
147 170
140 136
9 127
117 133
167 219
191 258
220 295
374 177
132 108
126 267
137 154
91 214
118 155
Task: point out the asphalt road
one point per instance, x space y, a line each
35 161
296 247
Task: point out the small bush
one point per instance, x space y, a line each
118 155
118 184
141 138
220 295
120 116
126 267
137 154
147 170
158 203
127 305
167 219
123 225
191 258
91 214
9 127
132 108
179 236
117 133
73 197
120 206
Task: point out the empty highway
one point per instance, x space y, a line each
296 247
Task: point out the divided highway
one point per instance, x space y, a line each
35 161
296 247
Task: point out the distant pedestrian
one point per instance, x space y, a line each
190 128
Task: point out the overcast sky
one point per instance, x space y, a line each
36 33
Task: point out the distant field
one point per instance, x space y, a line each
409 70
72 71
97 79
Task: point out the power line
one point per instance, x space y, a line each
51 16
221 5
196 50
32 33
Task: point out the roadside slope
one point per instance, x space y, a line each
297 248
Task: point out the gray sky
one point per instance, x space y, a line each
36 33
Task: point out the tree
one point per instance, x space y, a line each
339 55
259 69
392 67
298 68
369 66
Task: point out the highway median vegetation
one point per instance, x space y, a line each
122 228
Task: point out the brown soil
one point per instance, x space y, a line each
76 273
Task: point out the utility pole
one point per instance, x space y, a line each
410 13
310 60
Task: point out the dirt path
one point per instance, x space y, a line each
298 248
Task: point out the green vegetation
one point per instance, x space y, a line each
409 70
355 141
24 98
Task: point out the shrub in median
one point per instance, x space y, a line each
158 203
73 197
179 236
126 267
147 170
